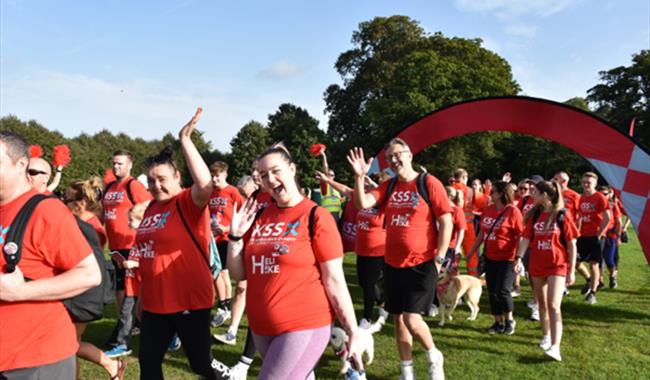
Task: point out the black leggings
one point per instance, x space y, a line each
193 329
249 347
499 277
369 269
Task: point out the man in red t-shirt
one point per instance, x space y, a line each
460 184
593 218
222 201
37 337
119 197
571 198
415 250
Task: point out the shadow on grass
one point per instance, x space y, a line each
529 359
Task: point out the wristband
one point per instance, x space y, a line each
232 237
518 258
59 170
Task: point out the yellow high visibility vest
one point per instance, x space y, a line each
331 201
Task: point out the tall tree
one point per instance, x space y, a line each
251 140
299 131
623 95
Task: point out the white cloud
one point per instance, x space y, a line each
515 8
281 70
520 29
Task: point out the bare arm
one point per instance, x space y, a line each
445 227
70 283
325 166
477 243
56 180
346 191
360 167
236 260
202 186
607 215
571 251
459 240
242 220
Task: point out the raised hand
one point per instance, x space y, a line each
188 128
507 177
243 217
359 165
321 176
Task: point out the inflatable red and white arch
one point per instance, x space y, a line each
622 162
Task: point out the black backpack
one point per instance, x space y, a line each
128 189
85 307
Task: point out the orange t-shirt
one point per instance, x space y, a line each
101 233
459 223
481 201
548 257
616 214
349 226
468 194
571 202
221 204
592 208
371 234
411 238
285 291
116 205
501 245
40 332
132 277
174 276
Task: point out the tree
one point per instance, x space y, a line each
397 73
299 131
579 103
251 141
623 96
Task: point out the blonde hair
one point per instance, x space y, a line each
88 191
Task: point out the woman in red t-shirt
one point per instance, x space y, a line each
459 226
293 264
501 227
176 289
613 236
82 199
552 259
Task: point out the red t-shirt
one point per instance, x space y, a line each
349 226
616 214
468 197
458 220
221 208
116 205
99 228
592 209
371 234
548 257
527 206
410 235
40 332
175 277
501 245
571 202
285 291
262 198
132 277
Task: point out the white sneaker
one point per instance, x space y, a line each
227 338
220 318
407 376
531 303
433 311
383 313
239 371
554 352
534 314
436 370
516 292
364 324
545 343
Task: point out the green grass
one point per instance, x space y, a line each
609 340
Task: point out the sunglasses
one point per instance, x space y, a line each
35 172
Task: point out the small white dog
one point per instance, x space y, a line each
461 286
339 339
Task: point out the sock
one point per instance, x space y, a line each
245 361
228 303
220 305
433 355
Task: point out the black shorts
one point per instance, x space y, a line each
411 289
118 277
590 248
223 253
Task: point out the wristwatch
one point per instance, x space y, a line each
440 259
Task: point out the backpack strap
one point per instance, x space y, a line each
561 215
189 231
312 220
422 189
13 247
128 189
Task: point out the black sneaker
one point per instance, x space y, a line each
497 328
600 286
586 287
613 283
510 327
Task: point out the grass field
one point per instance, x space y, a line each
609 340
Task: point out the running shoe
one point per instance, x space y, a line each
221 370
516 292
364 324
227 338
586 287
239 371
220 318
135 331
496 328
175 344
613 283
383 316
534 314
591 298
554 352
566 291
532 304
433 311
545 343
117 351
436 370
510 327
600 286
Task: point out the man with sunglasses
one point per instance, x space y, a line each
38 174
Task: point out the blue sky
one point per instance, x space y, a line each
141 67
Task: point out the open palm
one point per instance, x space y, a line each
359 165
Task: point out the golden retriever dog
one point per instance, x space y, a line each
461 286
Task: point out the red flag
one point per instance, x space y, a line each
317 149
35 151
61 156
632 127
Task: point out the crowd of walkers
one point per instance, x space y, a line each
175 250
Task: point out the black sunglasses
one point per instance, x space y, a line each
35 172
